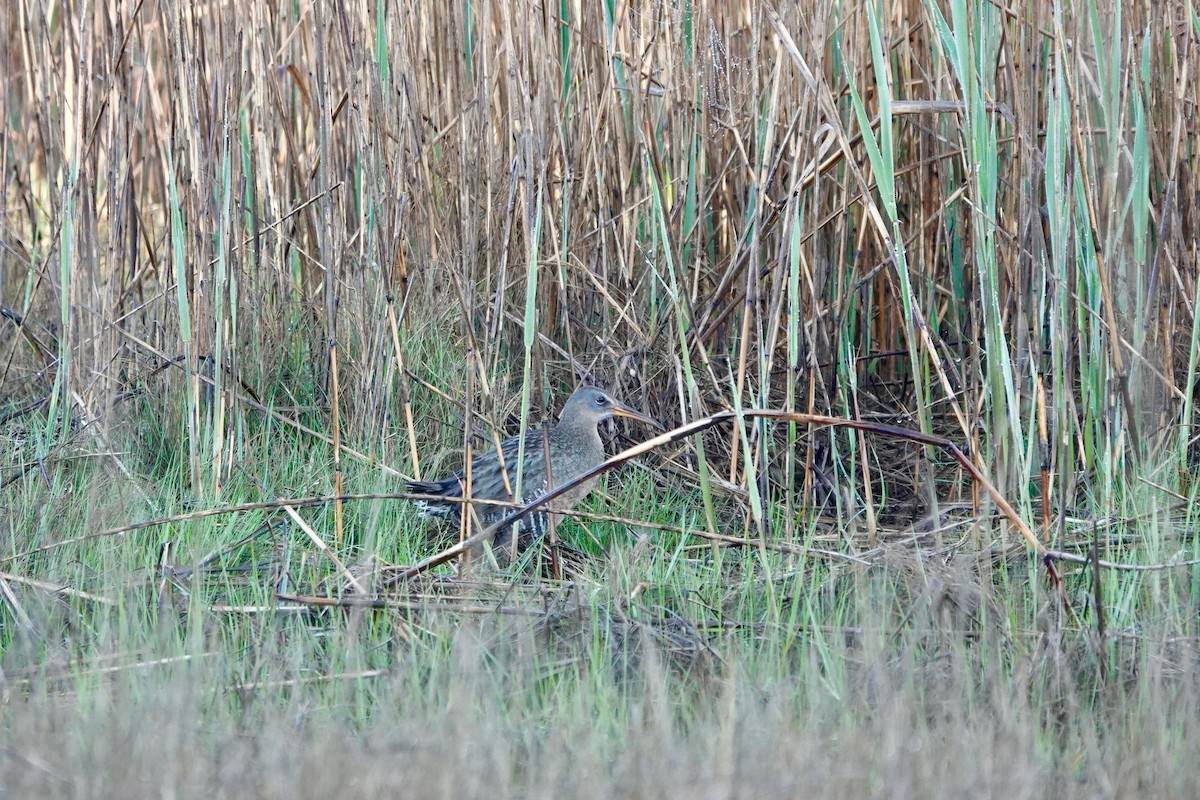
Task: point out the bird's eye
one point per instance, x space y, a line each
601 400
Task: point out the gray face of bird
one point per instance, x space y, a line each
598 406
591 404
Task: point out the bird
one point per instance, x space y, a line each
574 446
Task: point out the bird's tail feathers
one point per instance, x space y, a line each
432 508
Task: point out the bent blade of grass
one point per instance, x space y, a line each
530 322
881 155
1187 421
382 60
795 233
179 261
564 44
970 50
61 393
1139 199
680 315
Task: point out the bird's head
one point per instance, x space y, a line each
592 406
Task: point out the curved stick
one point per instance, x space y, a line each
726 416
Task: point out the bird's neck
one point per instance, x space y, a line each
577 430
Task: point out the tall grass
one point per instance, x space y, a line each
254 256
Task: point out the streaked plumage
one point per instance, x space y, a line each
575 447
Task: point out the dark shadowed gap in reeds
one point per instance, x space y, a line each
254 251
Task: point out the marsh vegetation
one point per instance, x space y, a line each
261 262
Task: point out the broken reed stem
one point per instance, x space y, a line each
727 416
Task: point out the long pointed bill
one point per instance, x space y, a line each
622 410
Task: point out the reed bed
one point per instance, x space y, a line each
259 261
